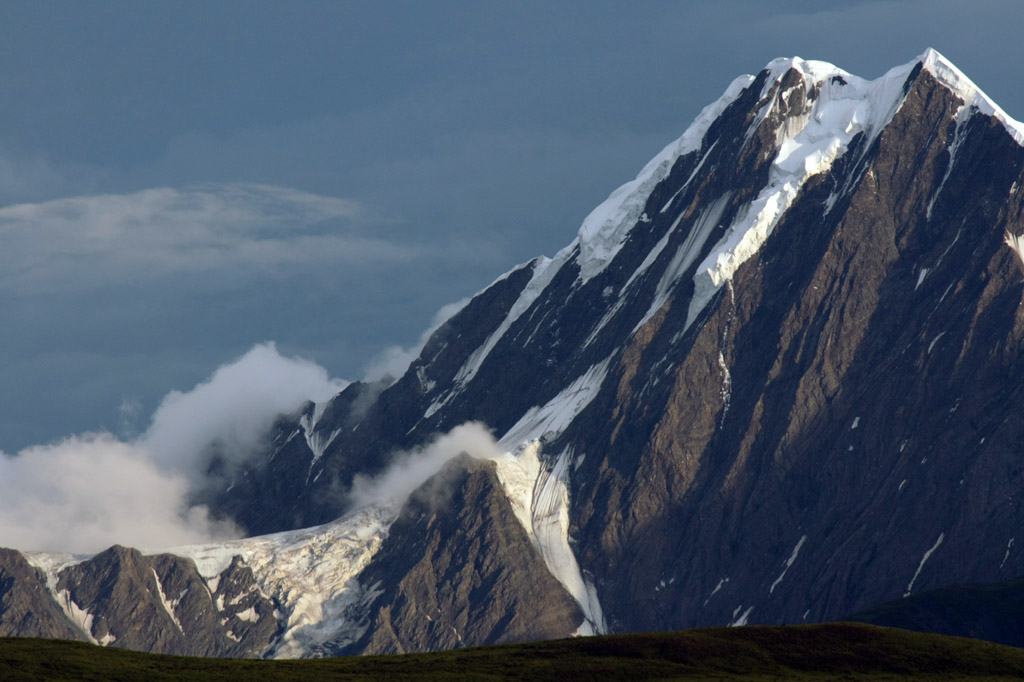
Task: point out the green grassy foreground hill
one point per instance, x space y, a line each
818 652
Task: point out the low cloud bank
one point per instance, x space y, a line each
87 492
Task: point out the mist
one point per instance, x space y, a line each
87 492
393 361
411 469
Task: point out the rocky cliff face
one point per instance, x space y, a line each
27 608
775 379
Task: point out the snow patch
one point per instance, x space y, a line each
309 572
1006 556
249 615
718 587
953 78
927 555
544 270
540 501
808 144
742 620
556 415
962 116
1016 242
168 605
686 254
920 277
317 441
789 562
604 231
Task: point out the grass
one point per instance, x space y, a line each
840 651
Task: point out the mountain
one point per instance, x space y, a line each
774 379
989 611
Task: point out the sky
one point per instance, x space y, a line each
185 186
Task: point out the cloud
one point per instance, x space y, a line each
395 360
410 469
87 492
233 408
91 240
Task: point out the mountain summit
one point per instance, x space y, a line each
775 379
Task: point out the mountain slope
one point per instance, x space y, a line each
774 379
989 611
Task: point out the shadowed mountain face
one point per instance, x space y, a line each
992 611
775 379
457 567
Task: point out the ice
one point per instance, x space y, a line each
927 555
309 572
920 277
934 341
855 424
1006 556
808 144
316 440
1016 242
77 615
789 562
604 231
540 500
553 417
718 587
249 615
949 75
168 605
742 620
544 270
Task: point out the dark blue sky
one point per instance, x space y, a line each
180 181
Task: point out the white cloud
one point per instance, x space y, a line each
410 469
395 360
107 238
233 407
88 492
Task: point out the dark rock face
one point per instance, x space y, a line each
26 607
161 604
457 569
993 612
862 404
